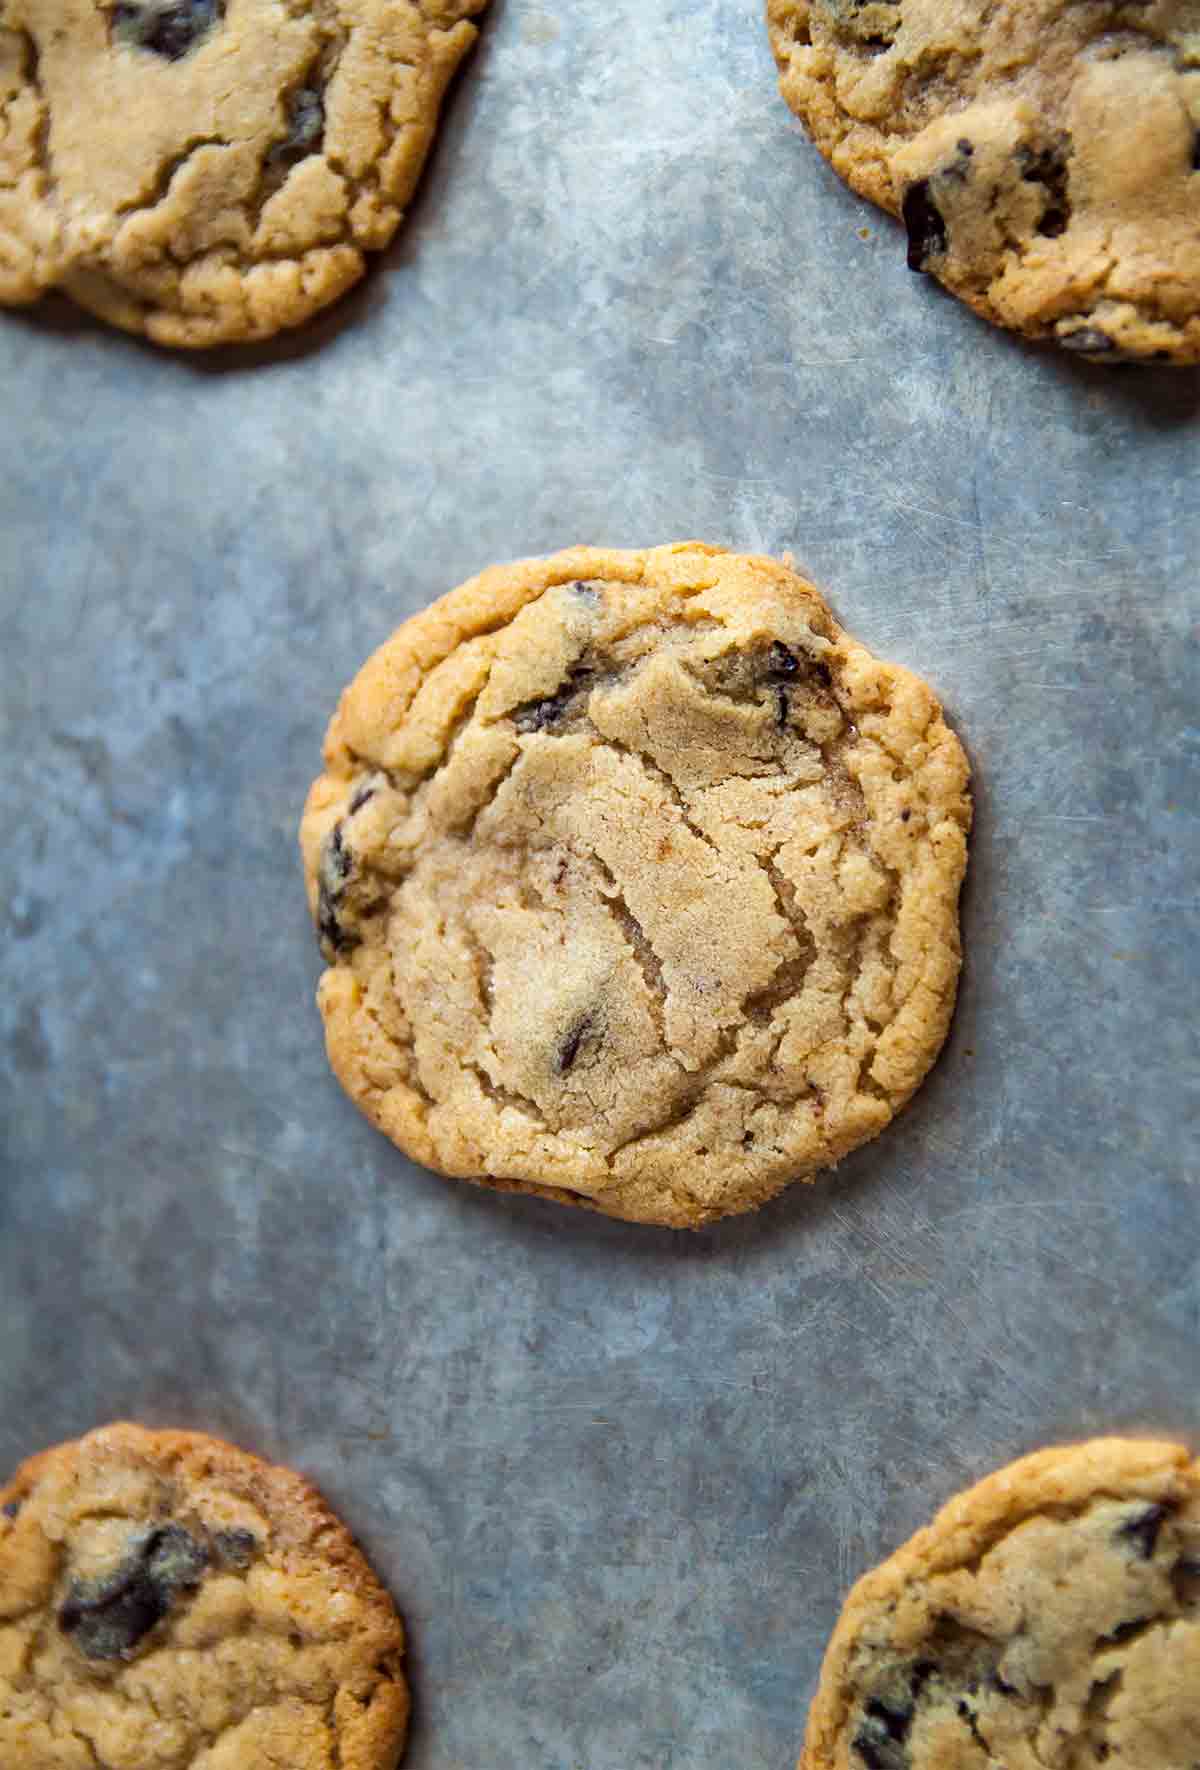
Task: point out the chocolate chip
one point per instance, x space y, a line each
235 1548
367 791
1124 1630
925 223
895 1721
175 1560
881 1739
782 708
169 27
568 1049
106 1618
1142 1529
586 592
967 1713
10 1508
1087 341
538 715
306 129
107 1621
334 937
337 864
1047 166
783 661
878 1748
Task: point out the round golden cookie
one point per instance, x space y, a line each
212 170
1045 158
1048 1619
637 878
168 1602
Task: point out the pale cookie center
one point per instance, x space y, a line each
637 865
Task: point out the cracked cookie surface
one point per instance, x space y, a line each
1044 158
638 879
169 1602
1046 1620
210 171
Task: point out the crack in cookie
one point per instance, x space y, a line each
572 855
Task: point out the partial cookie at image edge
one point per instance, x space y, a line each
167 1587
1046 164
1062 1581
227 173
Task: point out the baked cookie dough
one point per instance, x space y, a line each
168 1602
1045 158
210 171
1046 1620
637 879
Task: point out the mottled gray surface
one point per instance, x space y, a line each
619 1479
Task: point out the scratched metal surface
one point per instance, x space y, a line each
619 1480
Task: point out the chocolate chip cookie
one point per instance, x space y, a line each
637 879
212 170
167 1600
1045 158
1048 1619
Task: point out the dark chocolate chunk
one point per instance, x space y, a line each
877 1748
925 224
895 1721
1087 341
235 1548
337 864
306 130
10 1508
334 937
169 27
1124 1630
881 1739
361 795
107 1618
1142 1529
568 1050
538 715
1048 167
783 661
782 708
586 592
1196 152
175 1560
967 1713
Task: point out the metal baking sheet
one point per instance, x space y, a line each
618 1479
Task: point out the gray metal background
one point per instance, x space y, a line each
618 1479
